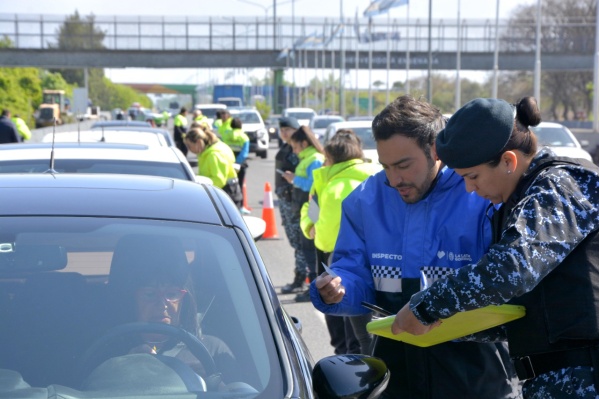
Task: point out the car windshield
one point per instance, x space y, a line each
365 134
248 117
322 123
553 137
114 166
301 115
47 113
87 302
209 112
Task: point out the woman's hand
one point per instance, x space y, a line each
289 176
406 321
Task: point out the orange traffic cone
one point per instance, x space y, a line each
268 214
245 198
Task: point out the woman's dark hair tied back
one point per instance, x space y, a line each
527 112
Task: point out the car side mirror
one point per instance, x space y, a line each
256 225
350 376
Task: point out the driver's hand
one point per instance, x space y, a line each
144 348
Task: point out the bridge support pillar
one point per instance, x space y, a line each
278 91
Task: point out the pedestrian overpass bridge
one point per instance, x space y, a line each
230 42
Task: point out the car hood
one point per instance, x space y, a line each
571 152
252 127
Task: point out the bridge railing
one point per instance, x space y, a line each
259 33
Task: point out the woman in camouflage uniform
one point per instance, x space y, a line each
545 253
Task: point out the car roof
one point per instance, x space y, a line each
107 195
298 110
165 133
108 135
550 124
120 123
350 124
213 105
116 151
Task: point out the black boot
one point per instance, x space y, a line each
298 284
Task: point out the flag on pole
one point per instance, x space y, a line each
378 7
336 32
310 41
286 52
357 28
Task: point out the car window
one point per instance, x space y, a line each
301 115
322 123
248 117
163 169
553 136
71 286
209 112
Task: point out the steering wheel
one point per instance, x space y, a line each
91 357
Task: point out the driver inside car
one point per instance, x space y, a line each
150 281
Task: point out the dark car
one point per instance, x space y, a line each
272 125
119 286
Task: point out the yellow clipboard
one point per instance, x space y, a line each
454 327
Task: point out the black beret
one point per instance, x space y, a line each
476 133
289 121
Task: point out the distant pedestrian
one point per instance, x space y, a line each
311 157
215 161
239 142
287 160
180 129
8 130
22 128
344 170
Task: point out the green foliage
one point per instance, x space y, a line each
108 95
5 42
263 109
20 90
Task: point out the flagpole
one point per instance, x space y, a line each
341 63
306 85
294 87
370 67
387 98
458 83
408 51
356 99
537 85
430 52
323 62
496 55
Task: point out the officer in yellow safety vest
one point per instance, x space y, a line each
22 128
180 129
239 142
200 118
225 126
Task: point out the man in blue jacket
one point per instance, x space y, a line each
400 230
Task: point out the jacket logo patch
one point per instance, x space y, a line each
441 254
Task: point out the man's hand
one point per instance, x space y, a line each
406 321
330 289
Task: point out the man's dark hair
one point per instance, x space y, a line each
236 123
415 119
5 112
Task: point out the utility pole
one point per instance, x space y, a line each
341 63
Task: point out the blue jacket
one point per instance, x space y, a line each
386 251
383 241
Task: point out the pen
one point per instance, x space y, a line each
377 309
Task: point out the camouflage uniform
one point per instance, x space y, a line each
558 211
285 159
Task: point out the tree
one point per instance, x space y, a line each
77 33
565 29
